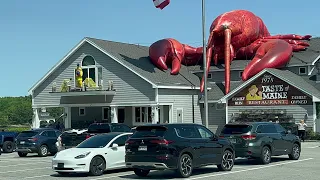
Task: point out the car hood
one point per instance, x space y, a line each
73 152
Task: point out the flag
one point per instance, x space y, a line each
161 3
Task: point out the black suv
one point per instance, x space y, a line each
261 140
179 147
41 141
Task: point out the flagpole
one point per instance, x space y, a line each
205 66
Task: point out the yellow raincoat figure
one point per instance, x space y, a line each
79 74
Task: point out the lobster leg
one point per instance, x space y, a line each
272 54
289 36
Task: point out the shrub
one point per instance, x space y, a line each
310 135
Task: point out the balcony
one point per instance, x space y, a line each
67 91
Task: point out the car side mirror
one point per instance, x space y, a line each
214 138
114 145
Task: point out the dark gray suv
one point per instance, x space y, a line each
261 140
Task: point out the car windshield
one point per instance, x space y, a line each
99 128
28 133
97 141
236 129
149 131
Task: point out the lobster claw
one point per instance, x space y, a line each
166 51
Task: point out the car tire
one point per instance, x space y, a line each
141 172
185 166
97 166
43 151
227 161
22 154
265 157
8 147
295 152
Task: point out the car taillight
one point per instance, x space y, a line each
129 142
221 136
248 137
87 136
33 139
161 142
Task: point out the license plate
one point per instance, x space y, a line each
22 142
142 148
233 140
60 165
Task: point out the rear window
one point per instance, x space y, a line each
28 133
236 129
149 131
99 128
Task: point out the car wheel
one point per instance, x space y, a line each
43 151
22 154
295 152
185 166
141 172
97 166
227 161
7 147
265 155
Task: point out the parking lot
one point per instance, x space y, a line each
13 167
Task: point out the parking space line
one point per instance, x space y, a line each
20 164
251 169
108 177
23 170
36 176
312 147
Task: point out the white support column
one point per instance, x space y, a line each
155 114
35 118
114 114
67 119
314 118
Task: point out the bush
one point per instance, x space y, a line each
310 135
17 129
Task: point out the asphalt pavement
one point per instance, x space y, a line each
13 167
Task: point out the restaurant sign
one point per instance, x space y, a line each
268 90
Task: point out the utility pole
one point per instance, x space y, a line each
205 66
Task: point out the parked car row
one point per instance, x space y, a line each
177 147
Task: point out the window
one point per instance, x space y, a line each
240 74
266 129
279 128
52 134
188 132
82 111
143 115
97 141
209 76
204 133
106 113
99 128
302 70
45 133
91 70
236 129
120 140
149 131
120 128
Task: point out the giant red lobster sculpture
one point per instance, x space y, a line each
236 34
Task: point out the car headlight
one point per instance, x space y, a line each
82 155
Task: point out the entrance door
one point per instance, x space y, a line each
121 115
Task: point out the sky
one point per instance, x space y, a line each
36 34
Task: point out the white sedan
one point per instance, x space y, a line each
94 155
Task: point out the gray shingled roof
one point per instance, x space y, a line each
136 57
217 90
299 58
